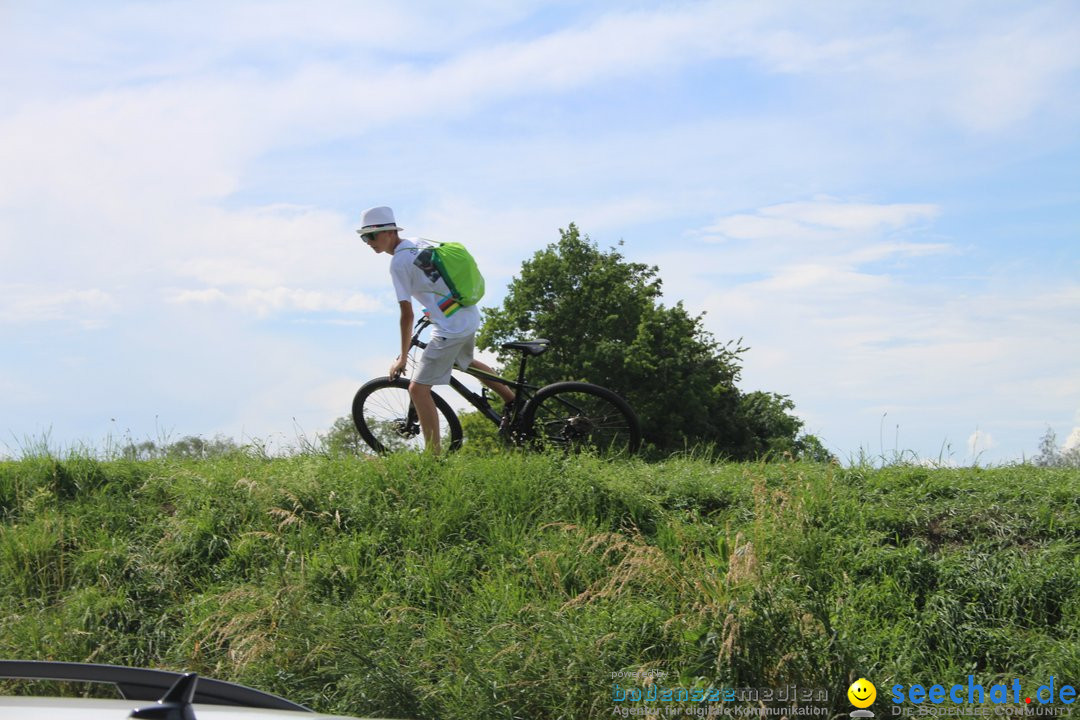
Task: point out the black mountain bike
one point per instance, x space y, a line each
569 415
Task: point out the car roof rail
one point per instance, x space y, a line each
144 684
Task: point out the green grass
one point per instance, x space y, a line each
514 586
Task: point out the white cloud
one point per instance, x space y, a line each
818 220
988 76
820 279
27 305
1006 73
269 246
124 160
878 251
933 358
263 302
853 217
137 44
995 75
979 442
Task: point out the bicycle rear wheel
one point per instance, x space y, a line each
384 415
578 415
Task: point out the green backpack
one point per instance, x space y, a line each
459 270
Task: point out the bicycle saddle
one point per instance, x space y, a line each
532 347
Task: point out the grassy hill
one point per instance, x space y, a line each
529 586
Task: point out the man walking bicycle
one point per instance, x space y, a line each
453 339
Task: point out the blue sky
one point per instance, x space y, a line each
882 200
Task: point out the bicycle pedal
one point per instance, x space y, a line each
404 429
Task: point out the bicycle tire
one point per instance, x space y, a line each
580 415
383 414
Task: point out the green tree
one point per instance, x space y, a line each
343 439
189 447
193 447
1050 455
481 435
607 326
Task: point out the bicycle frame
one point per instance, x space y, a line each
523 391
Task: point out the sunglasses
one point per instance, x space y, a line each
368 237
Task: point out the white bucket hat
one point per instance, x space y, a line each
377 219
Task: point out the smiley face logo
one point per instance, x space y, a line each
862 693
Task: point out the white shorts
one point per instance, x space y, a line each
440 356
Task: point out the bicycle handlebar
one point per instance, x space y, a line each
420 326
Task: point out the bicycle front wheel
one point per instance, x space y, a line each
384 415
578 415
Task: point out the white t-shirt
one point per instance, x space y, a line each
415 276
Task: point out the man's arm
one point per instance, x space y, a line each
406 326
406 322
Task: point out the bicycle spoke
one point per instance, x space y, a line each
577 419
390 419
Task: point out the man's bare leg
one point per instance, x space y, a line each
501 390
428 415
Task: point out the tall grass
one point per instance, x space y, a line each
513 587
